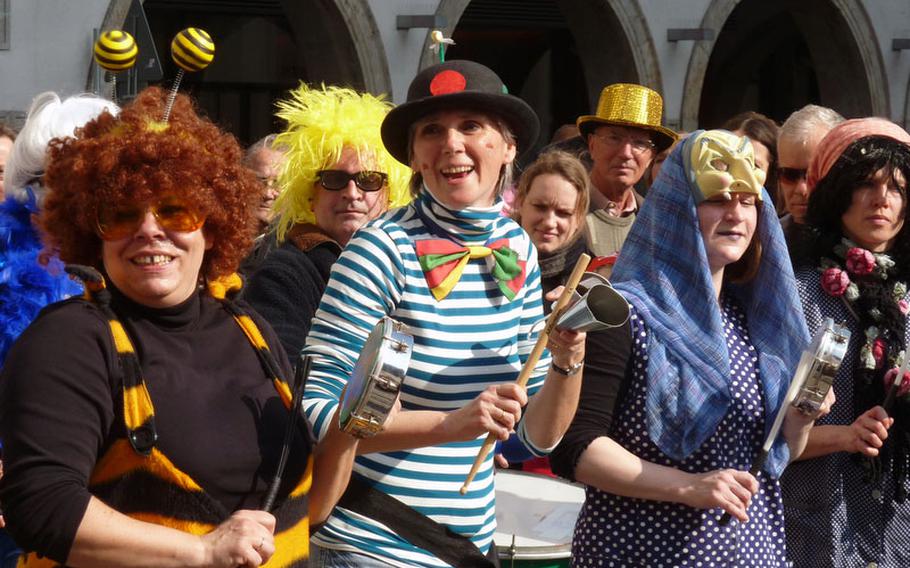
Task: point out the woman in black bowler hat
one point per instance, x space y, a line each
465 280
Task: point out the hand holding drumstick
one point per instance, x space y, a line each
531 362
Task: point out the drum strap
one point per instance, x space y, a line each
415 527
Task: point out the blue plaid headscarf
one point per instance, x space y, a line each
663 271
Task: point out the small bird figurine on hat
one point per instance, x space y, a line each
439 43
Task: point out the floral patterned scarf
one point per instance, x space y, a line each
866 284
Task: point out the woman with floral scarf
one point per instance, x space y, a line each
846 503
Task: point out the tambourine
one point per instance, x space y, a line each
374 386
819 364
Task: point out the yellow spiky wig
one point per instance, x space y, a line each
321 122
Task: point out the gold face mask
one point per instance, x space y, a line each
723 163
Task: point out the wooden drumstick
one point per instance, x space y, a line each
529 365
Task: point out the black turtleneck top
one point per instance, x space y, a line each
607 354
219 418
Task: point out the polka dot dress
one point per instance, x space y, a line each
834 517
620 532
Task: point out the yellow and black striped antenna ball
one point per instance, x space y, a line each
116 50
192 50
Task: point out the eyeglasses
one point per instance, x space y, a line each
336 180
639 145
171 213
791 175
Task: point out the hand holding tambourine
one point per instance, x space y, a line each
371 394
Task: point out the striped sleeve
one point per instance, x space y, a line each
532 323
365 284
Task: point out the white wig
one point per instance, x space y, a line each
48 118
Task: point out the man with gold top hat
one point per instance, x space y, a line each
623 137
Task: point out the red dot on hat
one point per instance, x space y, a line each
446 82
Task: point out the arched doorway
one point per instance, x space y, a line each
775 56
264 48
555 54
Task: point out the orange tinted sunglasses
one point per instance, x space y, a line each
172 213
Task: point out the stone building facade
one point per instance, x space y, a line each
709 58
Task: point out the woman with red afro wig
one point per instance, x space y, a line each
146 423
133 159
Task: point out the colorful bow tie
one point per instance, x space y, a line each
443 261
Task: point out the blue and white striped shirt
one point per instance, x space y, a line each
471 339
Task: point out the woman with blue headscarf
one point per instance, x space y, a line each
716 332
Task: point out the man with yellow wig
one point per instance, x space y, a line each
338 176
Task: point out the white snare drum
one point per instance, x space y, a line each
819 365
535 517
376 381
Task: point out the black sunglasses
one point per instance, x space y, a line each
336 180
791 175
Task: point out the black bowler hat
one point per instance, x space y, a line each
457 84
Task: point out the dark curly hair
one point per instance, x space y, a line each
135 158
834 194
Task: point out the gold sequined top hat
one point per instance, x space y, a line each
627 104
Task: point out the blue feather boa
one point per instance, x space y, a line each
25 285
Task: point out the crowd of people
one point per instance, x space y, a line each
184 323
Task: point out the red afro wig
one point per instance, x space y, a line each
135 158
